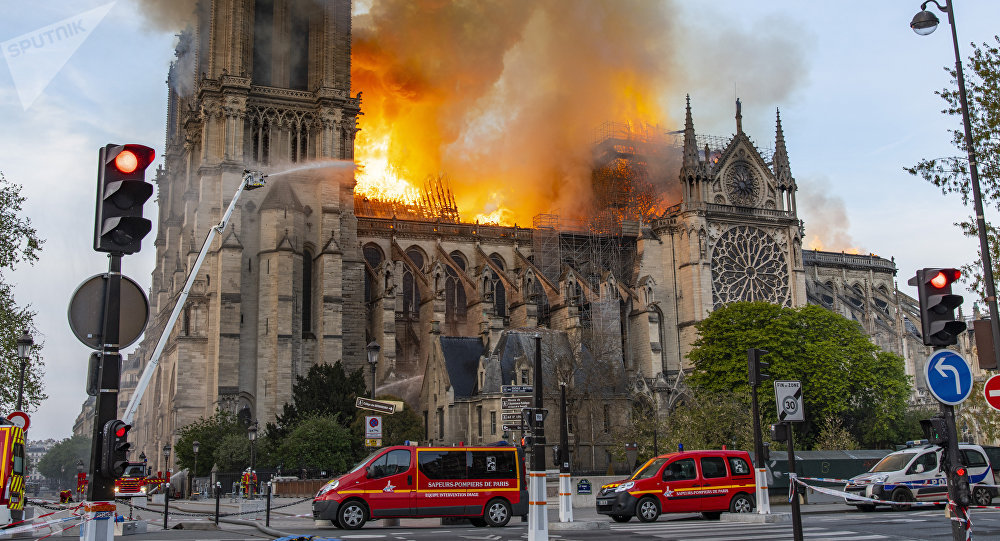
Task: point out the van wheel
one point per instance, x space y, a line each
901 495
477 522
621 518
741 503
713 515
647 510
497 513
352 515
982 496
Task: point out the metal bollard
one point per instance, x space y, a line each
267 514
166 505
218 496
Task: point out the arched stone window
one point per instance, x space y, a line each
373 256
454 296
496 287
411 291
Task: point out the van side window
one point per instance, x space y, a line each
713 466
391 463
680 470
929 461
739 466
973 458
442 464
492 465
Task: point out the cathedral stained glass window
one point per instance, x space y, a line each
749 265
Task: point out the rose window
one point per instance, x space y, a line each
748 265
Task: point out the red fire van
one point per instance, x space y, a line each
706 482
485 484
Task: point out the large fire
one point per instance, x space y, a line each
502 98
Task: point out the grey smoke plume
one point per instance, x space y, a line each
825 216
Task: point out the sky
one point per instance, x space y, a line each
859 108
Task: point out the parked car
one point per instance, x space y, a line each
916 474
706 482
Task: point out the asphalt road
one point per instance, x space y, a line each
824 521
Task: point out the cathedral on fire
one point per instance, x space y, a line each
310 272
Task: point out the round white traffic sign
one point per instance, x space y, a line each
19 418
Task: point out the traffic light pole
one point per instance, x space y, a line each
102 485
565 481
960 510
760 470
538 514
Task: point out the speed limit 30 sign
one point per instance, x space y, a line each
788 398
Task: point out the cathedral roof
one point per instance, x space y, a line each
461 359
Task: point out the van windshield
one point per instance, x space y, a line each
893 462
364 461
649 470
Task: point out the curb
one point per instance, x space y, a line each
261 527
579 525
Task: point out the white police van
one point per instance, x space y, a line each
916 474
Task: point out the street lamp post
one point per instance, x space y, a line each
166 460
373 350
24 344
923 23
194 474
252 434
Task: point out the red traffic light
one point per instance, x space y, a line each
122 430
133 157
945 277
960 472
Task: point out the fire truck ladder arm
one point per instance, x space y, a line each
251 180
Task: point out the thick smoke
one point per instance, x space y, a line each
826 216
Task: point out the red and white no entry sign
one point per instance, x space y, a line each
992 392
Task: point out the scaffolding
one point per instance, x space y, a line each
436 203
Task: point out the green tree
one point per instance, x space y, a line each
19 243
833 436
843 374
60 463
209 433
232 453
325 390
951 174
318 442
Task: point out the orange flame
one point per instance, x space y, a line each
501 99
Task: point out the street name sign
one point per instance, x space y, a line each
510 416
380 406
517 389
515 402
992 392
949 377
511 427
788 398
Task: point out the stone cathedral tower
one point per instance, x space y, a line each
257 84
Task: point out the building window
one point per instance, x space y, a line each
607 418
479 420
493 423
427 427
524 377
441 423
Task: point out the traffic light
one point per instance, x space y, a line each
962 493
114 448
779 432
935 430
121 192
937 306
527 441
757 367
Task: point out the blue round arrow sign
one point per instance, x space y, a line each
948 376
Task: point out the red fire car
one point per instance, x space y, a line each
485 484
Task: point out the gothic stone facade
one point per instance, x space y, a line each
299 279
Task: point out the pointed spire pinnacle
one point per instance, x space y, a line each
782 169
690 145
739 116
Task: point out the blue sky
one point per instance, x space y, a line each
859 106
